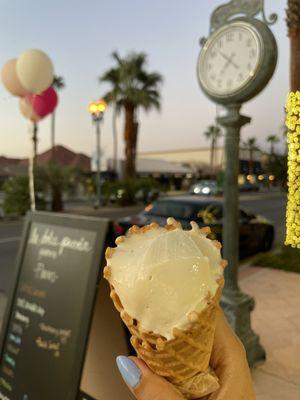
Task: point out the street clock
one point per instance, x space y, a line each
237 61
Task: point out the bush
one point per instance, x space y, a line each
17 198
130 191
58 179
220 178
287 259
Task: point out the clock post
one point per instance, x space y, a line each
236 305
236 62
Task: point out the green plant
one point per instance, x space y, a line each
120 192
250 145
213 133
58 179
16 196
287 259
129 191
272 139
277 166
220 179
58 84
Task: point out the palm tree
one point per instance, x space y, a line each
250 145
213 133
112 77
115 136
272 139
58 83
293 25
132 87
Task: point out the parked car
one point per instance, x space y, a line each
256 232
206 188
249 187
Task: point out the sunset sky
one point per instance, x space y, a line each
80 36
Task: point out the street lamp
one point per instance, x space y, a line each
97 109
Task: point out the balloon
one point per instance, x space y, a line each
44 103
35 71
27 111
10 79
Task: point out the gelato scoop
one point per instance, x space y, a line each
162 276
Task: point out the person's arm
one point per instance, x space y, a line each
228 360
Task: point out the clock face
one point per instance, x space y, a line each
230 59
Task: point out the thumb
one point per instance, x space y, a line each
143 383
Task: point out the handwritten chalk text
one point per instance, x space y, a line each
32 307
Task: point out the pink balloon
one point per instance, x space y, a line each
10 79
27 111
44 103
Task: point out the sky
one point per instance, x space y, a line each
80 36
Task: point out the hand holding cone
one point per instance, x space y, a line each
184 357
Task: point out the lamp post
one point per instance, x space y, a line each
97 110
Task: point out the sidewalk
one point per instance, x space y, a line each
276 319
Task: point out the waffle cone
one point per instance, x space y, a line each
183 360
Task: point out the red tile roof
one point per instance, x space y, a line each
8 162
62 156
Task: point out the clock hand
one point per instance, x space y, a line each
225 66
229 59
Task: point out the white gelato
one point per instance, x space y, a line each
161 276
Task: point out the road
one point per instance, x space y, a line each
270 205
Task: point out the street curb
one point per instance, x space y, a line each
11 219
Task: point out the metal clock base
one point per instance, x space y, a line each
237 307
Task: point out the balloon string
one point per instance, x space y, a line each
31 173
33 106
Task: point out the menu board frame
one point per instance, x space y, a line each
98 225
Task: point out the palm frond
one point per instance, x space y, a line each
273 139
58 82
130 81
213 131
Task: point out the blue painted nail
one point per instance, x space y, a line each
129 371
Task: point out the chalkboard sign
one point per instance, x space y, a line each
49 310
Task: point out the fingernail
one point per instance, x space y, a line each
129 371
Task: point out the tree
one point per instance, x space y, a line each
115 136
132 87
272 139
17 196
251 146
213 133
112 76
58 83
58 179
277 166
293 25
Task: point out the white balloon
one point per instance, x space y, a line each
35 70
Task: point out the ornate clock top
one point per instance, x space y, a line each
239 57
248 8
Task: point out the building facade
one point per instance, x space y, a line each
199 159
